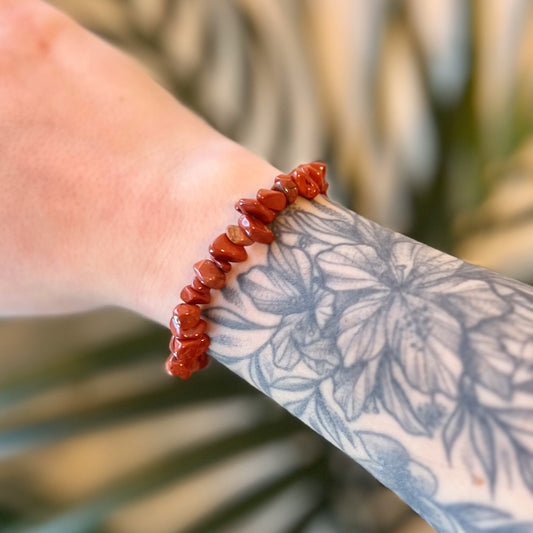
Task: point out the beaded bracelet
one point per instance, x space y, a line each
189 341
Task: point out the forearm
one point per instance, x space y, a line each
417 365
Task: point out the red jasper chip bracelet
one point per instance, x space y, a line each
189 341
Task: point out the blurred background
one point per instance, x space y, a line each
423 112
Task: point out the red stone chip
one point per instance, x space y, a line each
255 229
237 236
223 249
187 315
191 296
246 206
287 186
274 200
209 274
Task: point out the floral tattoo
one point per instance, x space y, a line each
348 320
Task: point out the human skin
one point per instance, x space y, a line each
110 187
417 365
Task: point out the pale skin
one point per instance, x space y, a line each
105 176
417 365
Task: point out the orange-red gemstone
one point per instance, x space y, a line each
306 186
187 315
286 185
177 368
247 206
202 361
191 296
224 250
317 172
186 333
274 200
255 229
184 368
209 274
237 236
188 349
223 265
197 285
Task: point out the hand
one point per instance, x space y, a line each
110 188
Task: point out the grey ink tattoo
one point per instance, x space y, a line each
356 319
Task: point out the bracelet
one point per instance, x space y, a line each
189 342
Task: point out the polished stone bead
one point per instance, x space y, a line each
223 265
203 361
187 315
274 200
209 274
177 368
237 236
317 172
225 250
184 367
199 362
306 186
189 349
286 185
247 206
191 296
255 229
197 285
187 333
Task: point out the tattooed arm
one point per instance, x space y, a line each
417 365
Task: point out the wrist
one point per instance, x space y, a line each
185 203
